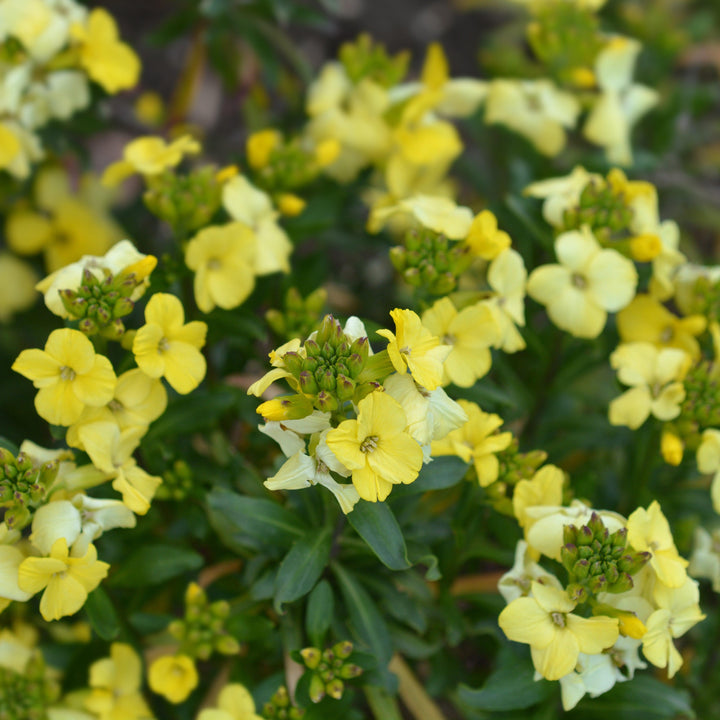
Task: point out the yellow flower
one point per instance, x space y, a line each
588 283
439 214
621 103
108 61
149 155
234 703
66 579
535 109
111 451
470 333
259 147
69 376
655 380
376 447
678 611
173 676
477 442
167 347
248 205
646 320
484 238
413 347
708 461
648 530
223 259
17 286
507 277
138 400
115 683
556 636
543 489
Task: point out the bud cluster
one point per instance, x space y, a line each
202 631
604 210
566 38
177 482
186 202
26 696
288 166
329 668
23 486
704 299
279 707
367 59
702 400
299 315
99 303
597 560
429 260
329 373
515 466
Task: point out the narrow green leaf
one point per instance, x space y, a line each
510 686
366 621
101 614
302 566
155 564
247 524
383 705
319 613
377 526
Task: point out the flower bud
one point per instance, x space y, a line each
311 657
317 688
335 688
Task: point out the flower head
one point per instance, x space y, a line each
168 347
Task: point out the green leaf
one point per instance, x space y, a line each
302 566
156 564
366 621
9 445
101 614
190 413
510 686
253 524
377 526
441 473
319 612
642 698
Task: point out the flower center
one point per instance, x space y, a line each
558 619
667 334
67 373
579 281
369 444
448 339
115 405
163 345
214 264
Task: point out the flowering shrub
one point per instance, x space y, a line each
452 311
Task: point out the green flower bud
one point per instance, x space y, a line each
335 688
581 569
326 380
307 383
227 645
584 535
311 657
343 649
398 257
622 584
317 688
577 593
326 402
349 671
124 306
345 388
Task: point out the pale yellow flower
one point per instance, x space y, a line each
376 447
556 636
234 703
168 347
17 286
476 441
471 333
655 379
115 684
648 530
484 238
588 283
535 109
66 579
223 259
